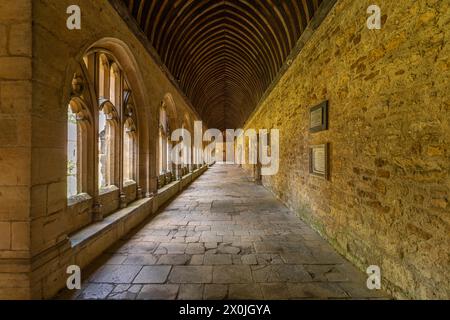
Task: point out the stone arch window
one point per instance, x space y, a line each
161 168
107 146
188 151
168 148
78 144
129 151
164 148
117 130
103 76
163 140
103 170
114 84
73 161
129 141
183 153
167 171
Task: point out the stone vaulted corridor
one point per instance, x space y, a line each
224 149
223 238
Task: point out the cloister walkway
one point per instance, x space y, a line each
224 238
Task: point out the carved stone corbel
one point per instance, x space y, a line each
77 85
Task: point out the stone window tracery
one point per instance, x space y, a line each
107 146
78 126
102 151
163 141
72 154
129 142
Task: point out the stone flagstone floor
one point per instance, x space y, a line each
223 238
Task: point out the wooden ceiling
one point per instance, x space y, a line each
223 53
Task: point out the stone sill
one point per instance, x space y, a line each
110 221
129 183
108 189
79 198
168 186
191 176
84 246
100 235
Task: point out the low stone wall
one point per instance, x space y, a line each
86 245
169 191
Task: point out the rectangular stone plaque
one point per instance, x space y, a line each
318 160
318 117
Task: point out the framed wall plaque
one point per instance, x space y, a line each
318 160
318 117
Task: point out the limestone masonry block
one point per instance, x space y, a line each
3 40
5 235
20 39
15 10
15 97
56 197
20 236
15 203
15 68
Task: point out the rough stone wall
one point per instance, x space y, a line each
15 146
387 202
34 219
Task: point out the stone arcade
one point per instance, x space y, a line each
87 178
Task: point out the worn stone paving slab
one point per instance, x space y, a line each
153 274
140 259
191 292
115 274
218 259
174 259
158 292
232 274
280 273
191 274
245 292
316 290
125 292
275 291
215 292
223 238
96 291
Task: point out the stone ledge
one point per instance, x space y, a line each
93 240
164 194
77 199
48 269
84 246
90 231
172 189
